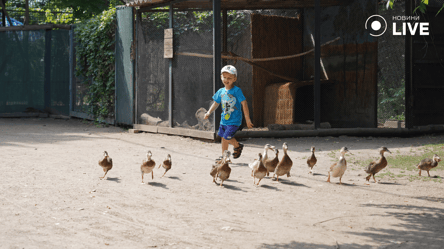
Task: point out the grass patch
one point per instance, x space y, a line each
409 162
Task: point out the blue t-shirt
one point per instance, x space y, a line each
231 105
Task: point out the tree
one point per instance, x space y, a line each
421 7
83 9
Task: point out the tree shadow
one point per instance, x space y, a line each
419 226
295 244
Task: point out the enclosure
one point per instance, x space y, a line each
362 77
169 54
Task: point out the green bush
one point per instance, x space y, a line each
95 59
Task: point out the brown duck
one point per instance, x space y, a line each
338 169
166 164
106 163
148 165
428 164
258 169
311 161
222 169
284 166
376 166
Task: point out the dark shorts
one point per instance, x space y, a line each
227 131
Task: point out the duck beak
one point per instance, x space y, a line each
389 151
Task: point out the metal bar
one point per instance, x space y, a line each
133 62
3 2
47 85
71 71
170 73
317 85
136 69
224 34
408 71
216 57
116 40
36 27
26 12
161 5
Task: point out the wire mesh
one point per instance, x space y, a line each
192 75
23 67
35 17
152 71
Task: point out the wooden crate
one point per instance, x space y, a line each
279 103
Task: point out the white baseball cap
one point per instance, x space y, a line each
229 69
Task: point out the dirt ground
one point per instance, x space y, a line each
52 197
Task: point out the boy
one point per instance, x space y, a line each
232 98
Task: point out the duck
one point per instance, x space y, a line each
258 169
428 164
166 164
376 166
148 165
106 163
311 161
270 164
222 169
338 169
284 165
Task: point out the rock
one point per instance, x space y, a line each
149 120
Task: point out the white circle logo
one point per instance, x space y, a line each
378 25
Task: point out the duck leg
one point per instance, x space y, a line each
221 183
254 180
259 181
277 178
428 173
164 173
419 172
368 177
328 180
142 178
340 182
288 174
152 174
374 178
104 175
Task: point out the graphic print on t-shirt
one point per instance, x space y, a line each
228 105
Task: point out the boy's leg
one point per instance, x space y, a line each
233 142
224 145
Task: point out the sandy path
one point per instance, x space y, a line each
52 197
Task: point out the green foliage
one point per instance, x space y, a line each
391 101
40 15
95 62
83 9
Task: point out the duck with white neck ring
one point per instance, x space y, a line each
338 169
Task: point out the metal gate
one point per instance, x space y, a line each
124 67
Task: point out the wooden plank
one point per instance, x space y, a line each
168 33
187 132
147 128
168 44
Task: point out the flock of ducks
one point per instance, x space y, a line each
263 165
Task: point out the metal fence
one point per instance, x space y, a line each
34 71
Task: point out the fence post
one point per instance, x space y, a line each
216 57
47 85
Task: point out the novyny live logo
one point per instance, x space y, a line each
377 25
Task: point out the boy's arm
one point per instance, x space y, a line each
246 114
212 108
